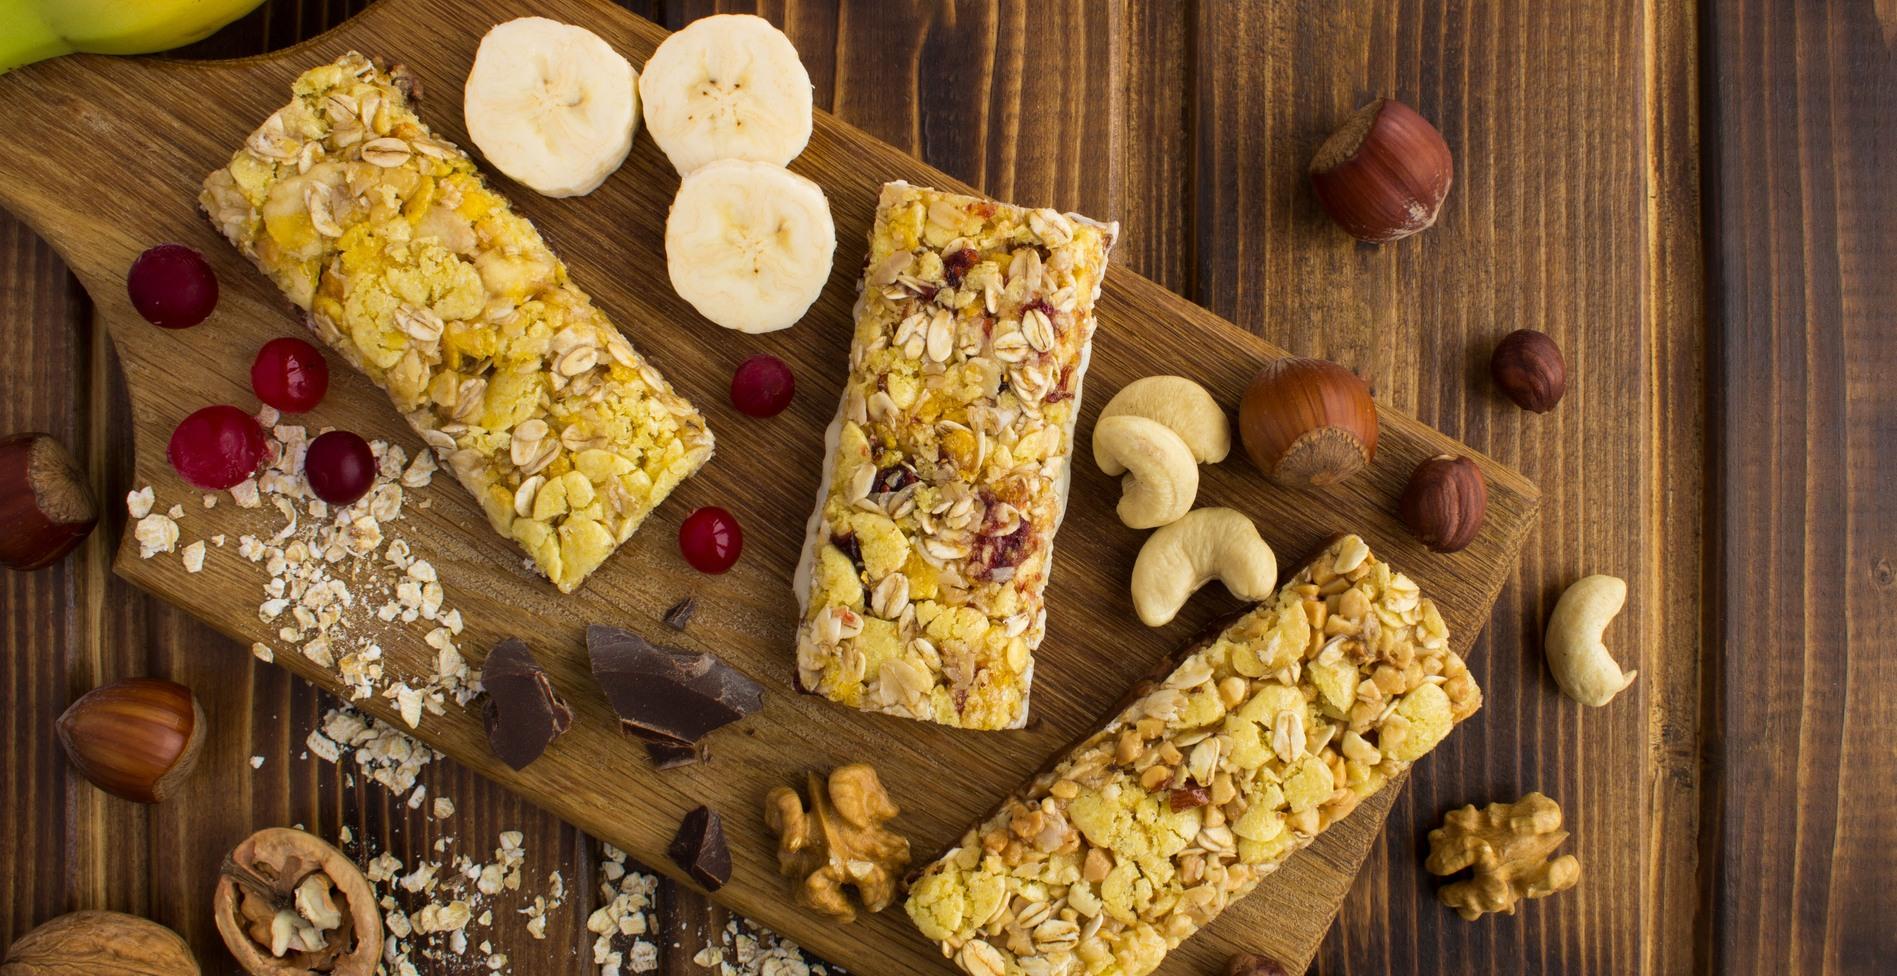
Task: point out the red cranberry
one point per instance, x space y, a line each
762 386
217 447
710 539
172 286
290 374
340 466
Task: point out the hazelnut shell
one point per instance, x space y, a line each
1530 370
99 944
1383 175
1308 422
46 508
136 738
1445 502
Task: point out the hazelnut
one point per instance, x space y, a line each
99 944
1383 175
1444 503
136 738
1308 422
1530 369
46 510
1253 964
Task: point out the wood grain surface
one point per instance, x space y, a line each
1800 833
1730 810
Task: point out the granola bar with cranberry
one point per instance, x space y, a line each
922 578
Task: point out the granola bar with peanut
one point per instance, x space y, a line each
925 562
1260 739
421 276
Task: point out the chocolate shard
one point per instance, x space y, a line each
699 847
666 695
524 714
672 755
681 613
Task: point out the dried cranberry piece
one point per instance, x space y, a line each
1189 796
955 264
894 478
848 544
995 552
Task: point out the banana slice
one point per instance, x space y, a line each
551 105
728 86
749 244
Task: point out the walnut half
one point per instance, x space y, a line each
839 841
1508 845
289 904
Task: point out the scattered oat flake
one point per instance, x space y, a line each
193 556
333 571
155 534
256 762
444 808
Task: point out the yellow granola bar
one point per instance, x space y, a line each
924 565
419 275
1257 741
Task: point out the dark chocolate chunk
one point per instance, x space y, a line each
699 847
672 755
524 714
666 695
681 613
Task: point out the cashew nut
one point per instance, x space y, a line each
1183 406
1580 662
1161 479
1207 544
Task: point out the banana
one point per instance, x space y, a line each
34 30
728 86
551 105
749 244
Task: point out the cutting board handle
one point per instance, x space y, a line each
102 156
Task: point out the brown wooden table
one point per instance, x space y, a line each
1699 204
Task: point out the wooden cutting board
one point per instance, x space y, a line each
103 158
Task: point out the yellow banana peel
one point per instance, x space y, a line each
33 30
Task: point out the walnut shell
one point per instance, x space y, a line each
282 858
99 944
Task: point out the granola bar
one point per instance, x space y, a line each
924 565
421 276
1260 738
